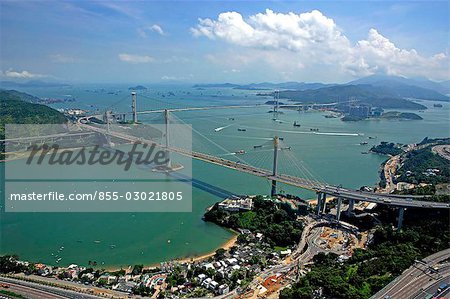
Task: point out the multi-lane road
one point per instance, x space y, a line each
421 279
38 291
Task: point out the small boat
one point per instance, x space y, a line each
97 241
231 118
363 143
240 152
371 137
242 129
288 148
314 129
257 146
296 124
437 105
364 153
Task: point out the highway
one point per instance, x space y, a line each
37 291
420 279
442 150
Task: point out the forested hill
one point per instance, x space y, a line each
15 108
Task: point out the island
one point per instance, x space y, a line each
138 87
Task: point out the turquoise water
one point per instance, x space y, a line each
143 237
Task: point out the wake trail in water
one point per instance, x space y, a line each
304 132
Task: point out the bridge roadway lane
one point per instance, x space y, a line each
387 199
417 278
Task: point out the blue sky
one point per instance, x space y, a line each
248 41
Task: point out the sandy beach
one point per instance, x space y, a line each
190 259
230 243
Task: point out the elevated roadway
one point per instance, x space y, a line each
379 198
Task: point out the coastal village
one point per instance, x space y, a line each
251 268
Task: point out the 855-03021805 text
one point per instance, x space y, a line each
99 195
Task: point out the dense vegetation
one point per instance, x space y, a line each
389 254
15 108
400 115
10 264
426 190
276 221
386 148
414 168
427 140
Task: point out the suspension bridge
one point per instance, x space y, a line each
291 171
306 180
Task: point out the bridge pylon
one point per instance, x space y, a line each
319 203
167 144
276 144
133 106
351 208
338 209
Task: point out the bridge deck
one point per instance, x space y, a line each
380 198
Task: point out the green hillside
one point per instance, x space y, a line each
15 109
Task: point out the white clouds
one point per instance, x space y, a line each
132 58
311 40
144 31
156 28
22 75
271 30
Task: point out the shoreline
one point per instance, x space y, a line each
188 259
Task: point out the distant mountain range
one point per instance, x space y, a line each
33 83
401 82
367 94
378 90
266 86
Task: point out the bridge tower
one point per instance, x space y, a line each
166 122
276 144
133 106
276 106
